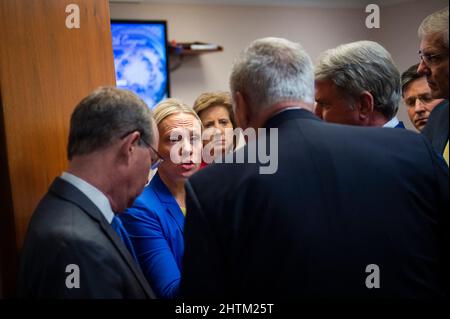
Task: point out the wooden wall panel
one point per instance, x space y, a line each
45 69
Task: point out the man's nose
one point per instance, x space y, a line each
423 69
420 106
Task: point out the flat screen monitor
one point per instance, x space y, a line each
141 58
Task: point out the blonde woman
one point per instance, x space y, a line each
155 222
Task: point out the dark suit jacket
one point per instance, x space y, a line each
343 198
436 129
67 228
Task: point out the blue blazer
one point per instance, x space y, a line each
155 224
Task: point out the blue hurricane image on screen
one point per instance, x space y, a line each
140 59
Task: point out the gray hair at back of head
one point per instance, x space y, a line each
435 23
363 66
106 115
273 70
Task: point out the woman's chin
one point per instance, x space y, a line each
187 170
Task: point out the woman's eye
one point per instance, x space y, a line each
175 139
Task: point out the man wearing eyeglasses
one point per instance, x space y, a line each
433 33
76 246
417 97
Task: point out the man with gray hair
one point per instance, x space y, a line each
433 53
433 34
358 84
340 217
76 246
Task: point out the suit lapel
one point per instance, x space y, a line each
68 192
166 197
110 232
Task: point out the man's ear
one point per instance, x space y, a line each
242 111
365 105
128 145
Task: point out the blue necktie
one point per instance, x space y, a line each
123 234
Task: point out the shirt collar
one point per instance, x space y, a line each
94 194
392 123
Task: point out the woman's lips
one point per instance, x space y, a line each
218 142
187 166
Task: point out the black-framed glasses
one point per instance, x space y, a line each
158 158
430 59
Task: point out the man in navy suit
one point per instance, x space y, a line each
358 84
433 33
349 212
417 97
75 246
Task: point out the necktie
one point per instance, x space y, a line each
123 234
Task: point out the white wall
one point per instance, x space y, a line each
234 27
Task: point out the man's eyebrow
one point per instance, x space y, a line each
428 51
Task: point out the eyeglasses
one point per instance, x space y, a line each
430 59
158 158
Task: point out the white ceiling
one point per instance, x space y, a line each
305 3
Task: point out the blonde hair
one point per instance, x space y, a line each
209 99
172 106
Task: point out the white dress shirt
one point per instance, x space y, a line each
392 123
94 194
